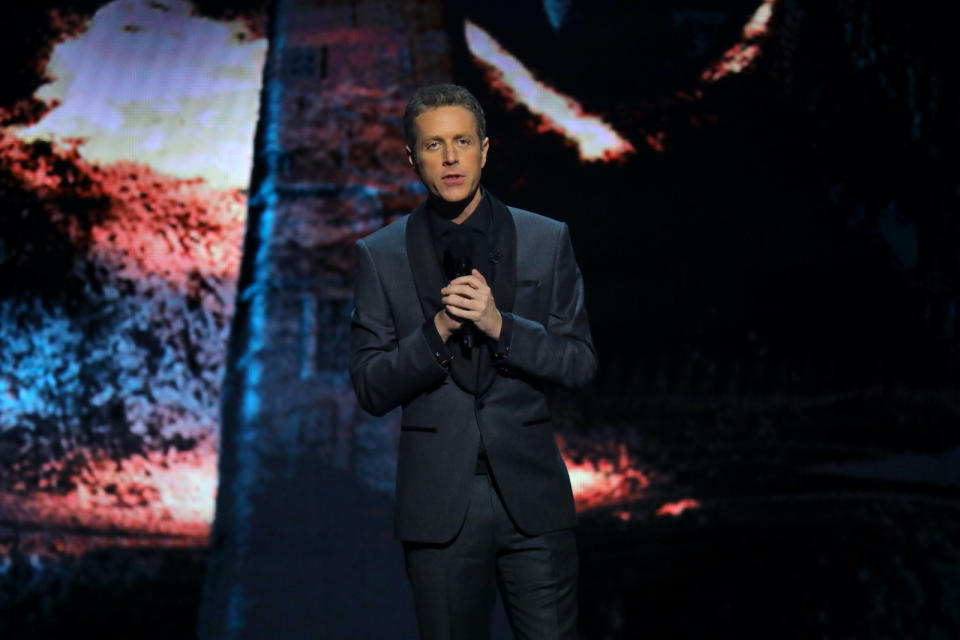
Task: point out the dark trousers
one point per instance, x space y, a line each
455 584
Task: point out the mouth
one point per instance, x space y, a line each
453 178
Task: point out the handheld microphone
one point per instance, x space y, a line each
458 261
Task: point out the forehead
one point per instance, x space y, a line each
445 122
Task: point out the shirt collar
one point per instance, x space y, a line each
479 220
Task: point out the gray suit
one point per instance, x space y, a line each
537 280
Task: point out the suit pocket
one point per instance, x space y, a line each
527 283
415 429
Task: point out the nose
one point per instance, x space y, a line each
449 155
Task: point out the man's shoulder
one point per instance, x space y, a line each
391 236
533 222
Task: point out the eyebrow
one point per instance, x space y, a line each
456 135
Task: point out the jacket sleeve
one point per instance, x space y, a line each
386 369
561 352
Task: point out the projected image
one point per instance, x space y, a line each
595 139
759 198
603 470
125 208
131 160
608 471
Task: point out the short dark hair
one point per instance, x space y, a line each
441 95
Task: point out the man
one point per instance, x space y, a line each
465 309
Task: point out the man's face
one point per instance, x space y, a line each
449 153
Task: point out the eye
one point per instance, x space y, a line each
463 142
433 144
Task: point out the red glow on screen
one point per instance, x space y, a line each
603 480
161 494
158 226
595 139
759 22
139 154
655 141
170 227
678 507
158 232
734 60
740 56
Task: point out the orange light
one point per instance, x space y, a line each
758 23
740 56
678 507
603 480
595 139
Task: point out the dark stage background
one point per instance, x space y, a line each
762 205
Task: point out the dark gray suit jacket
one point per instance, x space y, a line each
537 280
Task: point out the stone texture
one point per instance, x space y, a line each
299 459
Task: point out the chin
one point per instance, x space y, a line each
455 195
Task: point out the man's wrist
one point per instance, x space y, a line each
442 322
437 345
501 347
497 327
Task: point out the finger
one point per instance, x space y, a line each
479 276
471 281
461 314
462 290
462 303
476 300
453 314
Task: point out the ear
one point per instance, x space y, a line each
410 157
484 147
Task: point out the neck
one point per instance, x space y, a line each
455 211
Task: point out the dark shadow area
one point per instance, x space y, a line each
111 592
319 543
848 564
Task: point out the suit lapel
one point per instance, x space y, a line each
429 278
427 274
505 253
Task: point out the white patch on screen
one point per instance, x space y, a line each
149 82
596 140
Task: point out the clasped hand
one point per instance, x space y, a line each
468 298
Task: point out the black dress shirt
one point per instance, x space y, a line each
479 226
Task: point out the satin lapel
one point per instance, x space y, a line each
505 268
423 261
504 274
429 278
